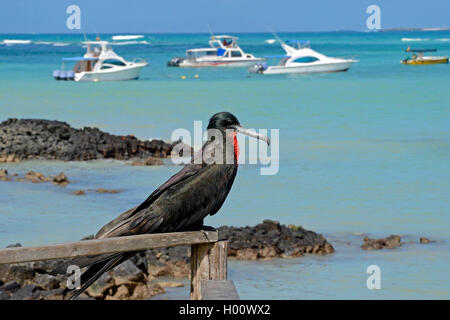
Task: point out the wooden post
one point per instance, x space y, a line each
208 262
219 290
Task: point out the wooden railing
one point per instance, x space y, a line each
208 257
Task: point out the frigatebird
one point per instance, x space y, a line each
183 201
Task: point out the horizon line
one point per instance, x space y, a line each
395 29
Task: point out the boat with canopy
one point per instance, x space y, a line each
224 51
100 63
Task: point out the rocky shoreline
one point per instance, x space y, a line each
137 278
29 139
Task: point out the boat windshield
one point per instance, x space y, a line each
201 53
223 42
299 44
283 61
95 49
216 44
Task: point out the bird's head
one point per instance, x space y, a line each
228 121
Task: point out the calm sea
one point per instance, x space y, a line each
361 152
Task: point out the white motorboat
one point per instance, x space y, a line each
100 63
223 52
300 58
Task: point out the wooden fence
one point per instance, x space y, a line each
208 257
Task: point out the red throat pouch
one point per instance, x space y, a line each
236 146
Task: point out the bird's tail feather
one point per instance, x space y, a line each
96 270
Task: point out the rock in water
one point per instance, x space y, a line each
61 179
144 291
121 293
4 175
20 272
3 295
103 190
54 294
11 286
29 292
53 267
24 139
424 240
14 245
271 239
36 177
390 242
99 287
126 273
46 281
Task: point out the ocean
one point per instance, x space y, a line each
365 152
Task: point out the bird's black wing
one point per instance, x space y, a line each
115 228
174 206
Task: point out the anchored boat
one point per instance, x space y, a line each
419 58
223 52
100 63
300 58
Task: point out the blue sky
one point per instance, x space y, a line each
49 16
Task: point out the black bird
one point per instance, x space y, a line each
183 201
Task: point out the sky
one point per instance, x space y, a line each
184 16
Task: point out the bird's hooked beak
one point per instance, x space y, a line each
252 133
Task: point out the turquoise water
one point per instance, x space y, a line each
361 152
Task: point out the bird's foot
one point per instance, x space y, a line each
204 229
208 228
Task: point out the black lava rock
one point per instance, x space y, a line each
22 139
28 292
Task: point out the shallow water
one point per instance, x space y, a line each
366 151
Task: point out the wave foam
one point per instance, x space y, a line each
60 44
127 37
129 43
424 39
13 41
414 39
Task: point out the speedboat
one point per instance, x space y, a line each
223 52
300 58
100 63
419 58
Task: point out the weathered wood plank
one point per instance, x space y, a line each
208 262
111 245
218 290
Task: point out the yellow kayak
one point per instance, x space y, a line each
426 60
